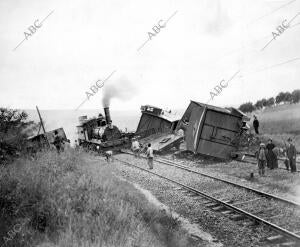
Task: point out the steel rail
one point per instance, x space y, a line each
265 194
236 209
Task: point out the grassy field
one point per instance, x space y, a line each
54 201
278 182
279 123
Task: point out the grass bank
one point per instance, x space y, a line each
53 201
280 123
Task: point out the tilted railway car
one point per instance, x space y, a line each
212 131
156 120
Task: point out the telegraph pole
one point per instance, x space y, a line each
41 120
42 124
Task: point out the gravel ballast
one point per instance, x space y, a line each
227 231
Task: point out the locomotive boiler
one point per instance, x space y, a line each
99 132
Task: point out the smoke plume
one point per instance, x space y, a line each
121 89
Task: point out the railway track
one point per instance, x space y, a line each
234 209
255 163
186 168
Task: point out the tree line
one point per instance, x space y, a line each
287 97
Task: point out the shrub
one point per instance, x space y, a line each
247 107
296 96
14 129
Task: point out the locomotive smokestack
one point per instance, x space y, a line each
107 114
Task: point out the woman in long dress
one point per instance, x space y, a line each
271 156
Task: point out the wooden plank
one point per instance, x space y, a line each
237 217
227 212
288 244
275 238
218 208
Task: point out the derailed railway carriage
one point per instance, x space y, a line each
211 130
156 120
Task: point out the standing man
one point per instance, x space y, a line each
58 142
135 147
76 146
149 154
109 156
261 159
255 124
291 155
272 162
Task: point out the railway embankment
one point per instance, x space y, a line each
74 199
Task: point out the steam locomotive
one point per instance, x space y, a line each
98 133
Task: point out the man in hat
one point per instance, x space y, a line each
291 155
58 142
255 124
261 159
150 156
109 156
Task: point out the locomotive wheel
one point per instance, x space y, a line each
91 147
84 144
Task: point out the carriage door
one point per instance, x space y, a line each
193 129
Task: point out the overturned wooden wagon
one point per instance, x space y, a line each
157 126
156 120
40 141
211 130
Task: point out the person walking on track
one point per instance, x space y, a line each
135 147
291 155
149 154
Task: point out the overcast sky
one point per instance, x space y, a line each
204 42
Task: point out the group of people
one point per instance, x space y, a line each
266 156
137 149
